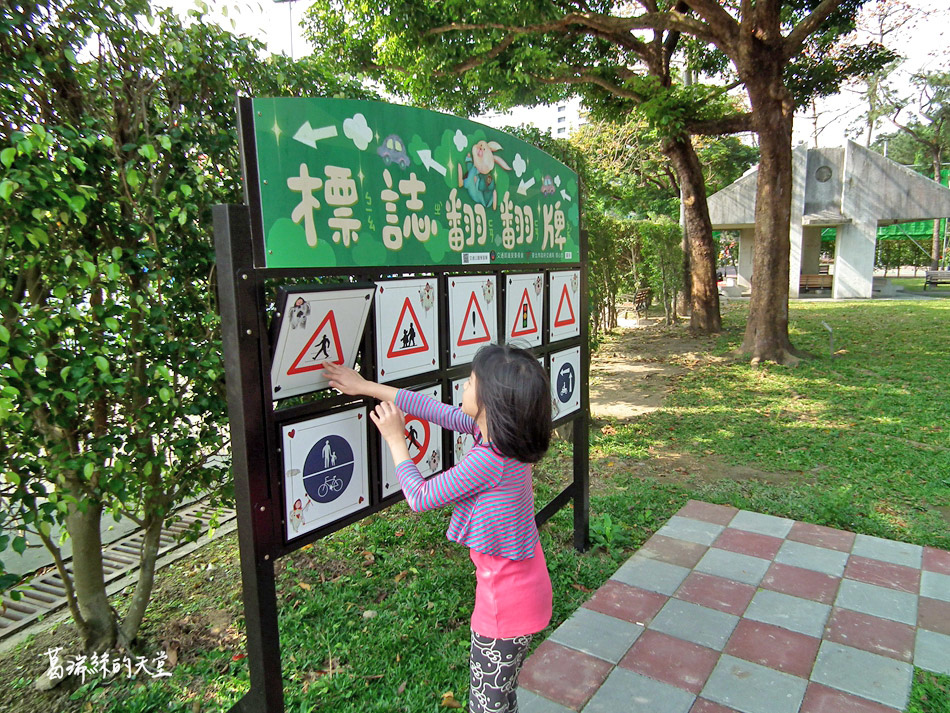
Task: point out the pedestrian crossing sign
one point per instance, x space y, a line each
314 325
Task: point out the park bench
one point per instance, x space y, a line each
638 302
937 277
641 303
815 282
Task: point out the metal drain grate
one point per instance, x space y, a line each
47 593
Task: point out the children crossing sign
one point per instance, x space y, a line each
523 300
315 325
407 328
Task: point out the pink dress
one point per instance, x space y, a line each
512 597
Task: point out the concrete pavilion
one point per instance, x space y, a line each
851 189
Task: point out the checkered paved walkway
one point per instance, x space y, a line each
726 611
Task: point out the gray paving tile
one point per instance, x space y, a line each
685 528
762 524
632 692
861 673
935 585
529 702
734 566
877 601
751 688
888 551
792 613
691 622
932 651
818 559
652 575
597 634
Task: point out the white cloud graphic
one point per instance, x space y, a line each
519 165
460 141
358 131
557 180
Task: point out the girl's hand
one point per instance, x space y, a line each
346 380
391 424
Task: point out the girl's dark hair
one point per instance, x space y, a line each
513 392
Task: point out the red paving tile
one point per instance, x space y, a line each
821 536
936 560
798 582
707 512
748 543
703 706
774 647
564 675
716 593
870 633
671 660
632 604
673 551
933 615
884 574
821 699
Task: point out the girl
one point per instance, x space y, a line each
506 406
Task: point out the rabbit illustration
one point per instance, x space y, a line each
479 176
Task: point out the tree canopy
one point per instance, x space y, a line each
117 134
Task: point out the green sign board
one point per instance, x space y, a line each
354 183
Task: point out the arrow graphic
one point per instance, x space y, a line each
565 195
425 155
310 136
525 185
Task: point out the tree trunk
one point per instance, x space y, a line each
704 291
143 588
99 622
766 335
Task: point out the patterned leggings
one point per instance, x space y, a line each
495 665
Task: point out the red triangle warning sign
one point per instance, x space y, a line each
478 332
524 322
410 337
560 318
317 351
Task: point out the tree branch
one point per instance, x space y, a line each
796 38
715 127
723 28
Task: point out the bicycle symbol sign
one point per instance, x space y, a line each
565 383
328 468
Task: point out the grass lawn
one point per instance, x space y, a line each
375 617
916 284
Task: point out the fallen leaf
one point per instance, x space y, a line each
399 577
401 689
304 586
448 700
238 657
581 588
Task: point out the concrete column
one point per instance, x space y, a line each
854 260
746 243
795 227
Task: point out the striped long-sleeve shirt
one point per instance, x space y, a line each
492 494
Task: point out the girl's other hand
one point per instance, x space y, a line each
346 380
391 423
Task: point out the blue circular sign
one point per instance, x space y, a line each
566 382
328 469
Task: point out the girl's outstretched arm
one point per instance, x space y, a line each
352 384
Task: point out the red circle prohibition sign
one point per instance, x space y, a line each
413 437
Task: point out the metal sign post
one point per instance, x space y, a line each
399 200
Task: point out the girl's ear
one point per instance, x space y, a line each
501 162
494 146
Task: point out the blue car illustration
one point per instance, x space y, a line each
393 150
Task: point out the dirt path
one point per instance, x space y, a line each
630 377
